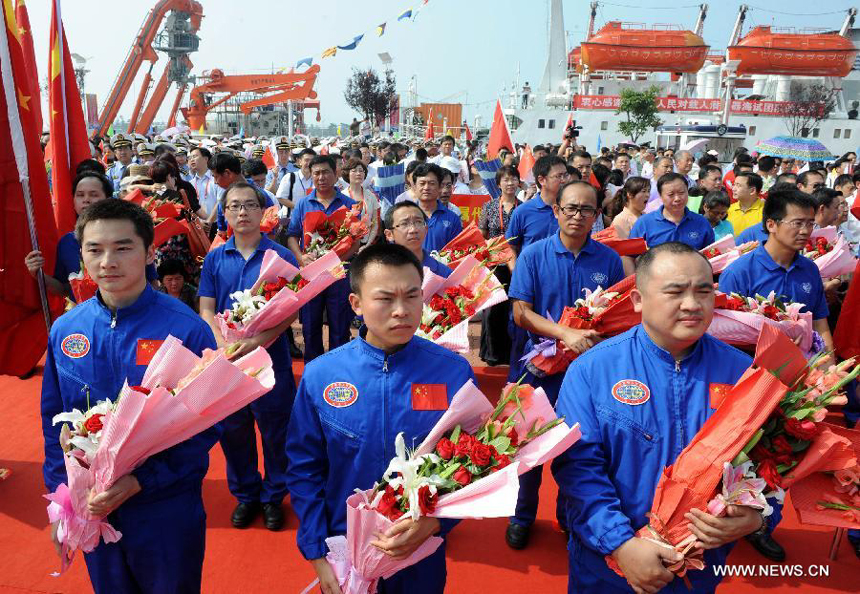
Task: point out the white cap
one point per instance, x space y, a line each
452 164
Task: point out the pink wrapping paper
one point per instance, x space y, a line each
320 275
840 260
742 328
470 273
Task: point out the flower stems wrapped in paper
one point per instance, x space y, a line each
634 246
450 302
723 252
830 252
467 467
281 289
181 395
336 232
470 242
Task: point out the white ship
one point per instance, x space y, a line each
731 98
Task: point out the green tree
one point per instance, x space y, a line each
640 108
369 94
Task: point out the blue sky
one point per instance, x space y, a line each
459 50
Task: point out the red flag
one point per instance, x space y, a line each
567 126
69 143
527 163
468 132
32 72
500 136
268 158
846 339
428 134
23 332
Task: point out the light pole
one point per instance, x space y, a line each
386 61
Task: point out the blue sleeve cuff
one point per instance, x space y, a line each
615 538
314 549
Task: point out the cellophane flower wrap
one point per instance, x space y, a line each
738 319
164 215
830 252
450 302
469 439
766 434
470 242
723 252
608 312
336 232
181 395
632 246
280 291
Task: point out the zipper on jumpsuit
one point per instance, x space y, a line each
385 441
677 404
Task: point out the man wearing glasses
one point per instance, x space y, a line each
551 274
406 225
673 221
335 299
809 181
233 267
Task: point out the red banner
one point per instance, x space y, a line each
739 106
470 206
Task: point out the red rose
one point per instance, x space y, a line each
426 500
140 389
804 430
767 470
93 424
759 453
470 309
480 454
462 476
502 460
770 311
780 445
464 445
445 448
515 439
387 506
735 304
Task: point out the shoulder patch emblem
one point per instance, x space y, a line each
75 346
632 392
340 394
807 287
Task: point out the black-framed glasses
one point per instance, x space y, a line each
585 212
249 206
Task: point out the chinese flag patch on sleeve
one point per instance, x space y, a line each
717 393
429 397
146 349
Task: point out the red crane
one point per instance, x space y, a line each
178 39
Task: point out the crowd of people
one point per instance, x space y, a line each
335 431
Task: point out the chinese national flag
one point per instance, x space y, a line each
500 136
468 132
23 332
269 159
69 143
429 397
527 163
567 127
146 349
30 59
428 134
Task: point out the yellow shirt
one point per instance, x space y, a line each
741 219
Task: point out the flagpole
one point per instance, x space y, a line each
40 275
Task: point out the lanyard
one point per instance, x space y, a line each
501 214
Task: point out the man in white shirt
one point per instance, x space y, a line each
202 180
648 157
297 184
283 167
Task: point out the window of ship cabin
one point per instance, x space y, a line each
837 133
804 132
604 125
815 132
541 124
551 124
599 90
752 131
847 134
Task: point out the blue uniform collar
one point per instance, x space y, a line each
540 203
338 197
265 243
659 216
377 353
141 305
661 353
762 256
587 248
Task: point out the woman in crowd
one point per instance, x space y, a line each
354 173
171 273
164 175
629 204
476 184
715 205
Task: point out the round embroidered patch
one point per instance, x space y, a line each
340 394
599 278
75 346
630 391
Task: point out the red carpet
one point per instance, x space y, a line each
256 560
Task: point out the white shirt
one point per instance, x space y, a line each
647 170
851 228
301 187
207 191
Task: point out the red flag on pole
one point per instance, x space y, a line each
468 132
69 143
567 126
527 163
428 134
24 203
500 136
32 72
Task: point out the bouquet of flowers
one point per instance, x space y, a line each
830 252
765 434
467 467
180 396
450 303
281 289
738 319
83 286
470 241
609 312
336 232
723 252
623 247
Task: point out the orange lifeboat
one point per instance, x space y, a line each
630 46
763 51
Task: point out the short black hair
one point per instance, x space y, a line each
410 169
573 172
385 254
580 154
160 169
707 170
425 169
225 161
447 138
321 160
170 266
646 260
242 185
803 177
107 185
253 167
766 163
448 173
843 179
716 198
420 155
117 210
825 196
311 152
90 165
579 183
707 159
786 178
507 170
543 166
778 199
754 180
162 148
204 152
389 215
668 178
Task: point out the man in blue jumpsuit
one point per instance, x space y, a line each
352 403
93 349
640 398
335 299
443 225
233 267
530 222
552 274
789 216
406 225
673 221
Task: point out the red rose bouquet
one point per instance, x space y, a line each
467 467
336 232
723 252
180 396
830 252
623 247
738 319
470 241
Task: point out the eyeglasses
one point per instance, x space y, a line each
413 223
585 212
249 206
557 176
798 224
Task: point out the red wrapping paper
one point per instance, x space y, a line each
315 219
623 247
471 239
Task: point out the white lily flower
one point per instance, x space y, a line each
407 466
595 300
246 305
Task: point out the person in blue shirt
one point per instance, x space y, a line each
92 351
406 225
443 225
715 204
753 233
235 266
673 221
640 398
552 274
351 404
335 299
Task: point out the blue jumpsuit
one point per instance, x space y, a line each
335 299
225 271
350 405
91 352
637 408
